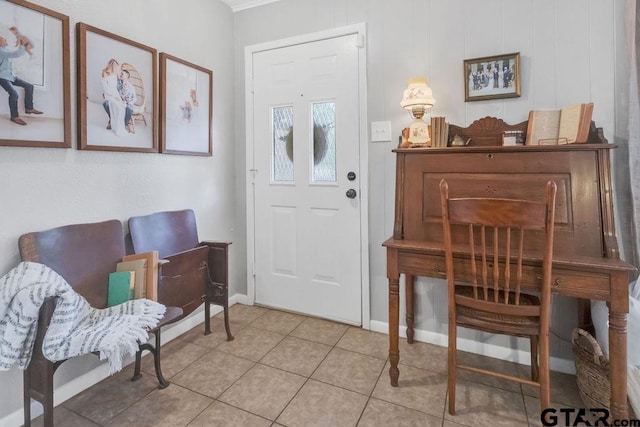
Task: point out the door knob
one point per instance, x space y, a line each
351 193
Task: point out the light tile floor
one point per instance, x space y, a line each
284 369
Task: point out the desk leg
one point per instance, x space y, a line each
409 289
618 310
394 314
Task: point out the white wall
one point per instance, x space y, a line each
43 188
571 50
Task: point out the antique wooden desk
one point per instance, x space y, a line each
586 260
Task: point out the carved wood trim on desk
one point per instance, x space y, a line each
586 263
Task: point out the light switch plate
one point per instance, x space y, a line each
380 131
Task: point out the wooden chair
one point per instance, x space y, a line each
84 254
135 78
495 232
196 272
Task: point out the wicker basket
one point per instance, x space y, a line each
592 370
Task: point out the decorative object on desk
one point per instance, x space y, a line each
39 39
439 132
492 77
110 92
186 103
417 98
404 139
459 141
568 125
512 138
487 131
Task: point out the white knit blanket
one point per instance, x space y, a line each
76 328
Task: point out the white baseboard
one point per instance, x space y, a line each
83 382
490 350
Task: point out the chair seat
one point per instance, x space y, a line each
499 320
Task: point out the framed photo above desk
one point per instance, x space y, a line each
492 77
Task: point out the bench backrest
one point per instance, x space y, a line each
84 254
166 232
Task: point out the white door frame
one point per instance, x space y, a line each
360 30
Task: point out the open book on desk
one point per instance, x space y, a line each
565 126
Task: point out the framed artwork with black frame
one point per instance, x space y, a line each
492 77
117 107
36 108
186 102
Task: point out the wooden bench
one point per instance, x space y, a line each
84 255
196 271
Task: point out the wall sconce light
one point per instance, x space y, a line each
417 98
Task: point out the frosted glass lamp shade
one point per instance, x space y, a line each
417 96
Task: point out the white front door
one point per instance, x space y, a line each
306 127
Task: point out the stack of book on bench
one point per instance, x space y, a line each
136 276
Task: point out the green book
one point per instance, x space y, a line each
121 284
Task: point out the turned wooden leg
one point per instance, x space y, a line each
452 363
409 289
618 348
394 314
618 309
535 349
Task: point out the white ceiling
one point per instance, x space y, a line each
237 5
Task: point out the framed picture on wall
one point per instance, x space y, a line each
186 102
492 77
117 108
35 100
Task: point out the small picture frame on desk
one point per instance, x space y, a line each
512 138
492 77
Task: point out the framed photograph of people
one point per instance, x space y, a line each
186 102
492 77
35 99
117 108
